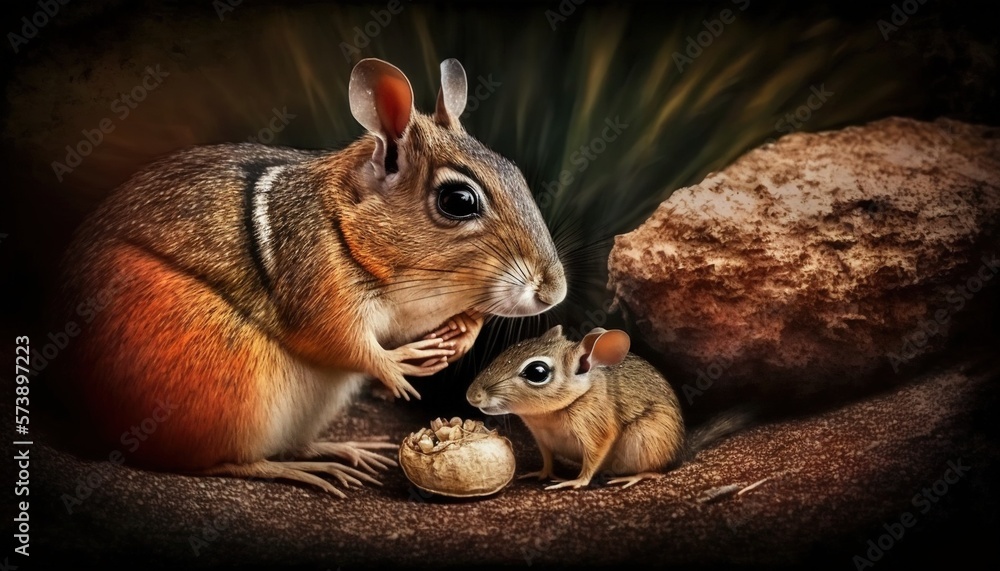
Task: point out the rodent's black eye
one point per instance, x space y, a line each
537 373
458 201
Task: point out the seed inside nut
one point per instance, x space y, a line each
425 445
443 434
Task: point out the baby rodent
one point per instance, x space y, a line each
255 287
594 403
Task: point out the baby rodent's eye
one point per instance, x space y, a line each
458 201
537 373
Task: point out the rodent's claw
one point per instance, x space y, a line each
575 484
633 480
448 329
359 454
375 443
424 343
392 377
345 474
373 465
298 472
459 325
450 334
425 369
466 330
373 462
434 353
407 389
403 390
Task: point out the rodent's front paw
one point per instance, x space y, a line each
399 386
391 375
423 358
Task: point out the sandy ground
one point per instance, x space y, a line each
827 483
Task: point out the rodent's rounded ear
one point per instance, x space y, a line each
601 347
554 333
381 98
453 95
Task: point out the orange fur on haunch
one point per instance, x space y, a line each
155 353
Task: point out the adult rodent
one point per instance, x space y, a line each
593 403
254 288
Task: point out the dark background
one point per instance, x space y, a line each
557 87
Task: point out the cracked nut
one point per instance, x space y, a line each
457 458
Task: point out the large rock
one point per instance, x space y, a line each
814 262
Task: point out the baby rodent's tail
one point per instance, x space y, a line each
717 428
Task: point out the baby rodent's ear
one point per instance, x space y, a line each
602 347
382 101
452 96
553 334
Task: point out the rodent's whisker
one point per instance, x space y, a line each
419 287
506 270
483 280
495 383
518 262
490 262
470 270
500 255
496 273
564 224
519 259
444 290
441 293
433 270
491 256
587 251
493 306
483 275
